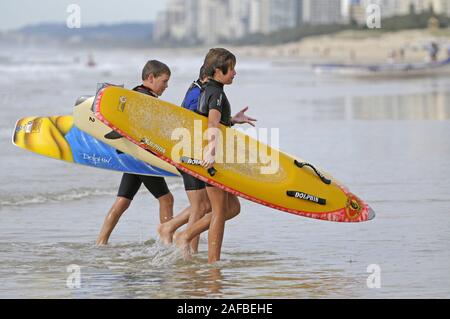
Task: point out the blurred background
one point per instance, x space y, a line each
352 29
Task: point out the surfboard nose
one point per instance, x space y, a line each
371 214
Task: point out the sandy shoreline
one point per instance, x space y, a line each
347 46
357 46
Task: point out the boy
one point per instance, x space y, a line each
190 100
155 78
195 189
219 66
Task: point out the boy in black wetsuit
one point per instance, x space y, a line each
213 103
155 77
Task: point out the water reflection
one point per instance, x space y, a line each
426 106
152 271
199 282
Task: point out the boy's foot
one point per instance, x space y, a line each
165 234
182 244
101 242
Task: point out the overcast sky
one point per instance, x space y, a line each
18 13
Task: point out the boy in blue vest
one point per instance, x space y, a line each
195 189
190 100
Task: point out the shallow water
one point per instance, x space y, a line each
387 140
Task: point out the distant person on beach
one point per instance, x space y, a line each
401 54
392 57
91 62
155 79
433 51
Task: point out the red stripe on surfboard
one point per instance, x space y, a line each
336 216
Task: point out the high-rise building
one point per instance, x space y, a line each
438 6
322 12
179 22
356 9
192 14
282 14
443 6
419 6
176 19
170 24
299 12
272 15
161 29
239 18
214 21
255 16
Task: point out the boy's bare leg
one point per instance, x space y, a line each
219 203
182 239
166 230
119 207
200 206
165 208
165 214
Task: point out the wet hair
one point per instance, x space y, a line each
218 58
202 74
156 68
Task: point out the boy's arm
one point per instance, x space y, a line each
212 133
241 118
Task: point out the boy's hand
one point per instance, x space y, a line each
241 118
209 157
208 161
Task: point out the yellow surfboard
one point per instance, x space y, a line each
244 166
85 120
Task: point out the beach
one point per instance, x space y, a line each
367 46
387 140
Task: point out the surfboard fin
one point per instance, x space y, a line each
113 135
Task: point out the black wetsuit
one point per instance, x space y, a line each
213 97
130 183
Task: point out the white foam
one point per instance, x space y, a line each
74 194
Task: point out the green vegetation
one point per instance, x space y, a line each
413 21
291 35
397 23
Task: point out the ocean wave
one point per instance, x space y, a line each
44 198
58 68
66 196
39 68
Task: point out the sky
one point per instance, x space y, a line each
15 14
